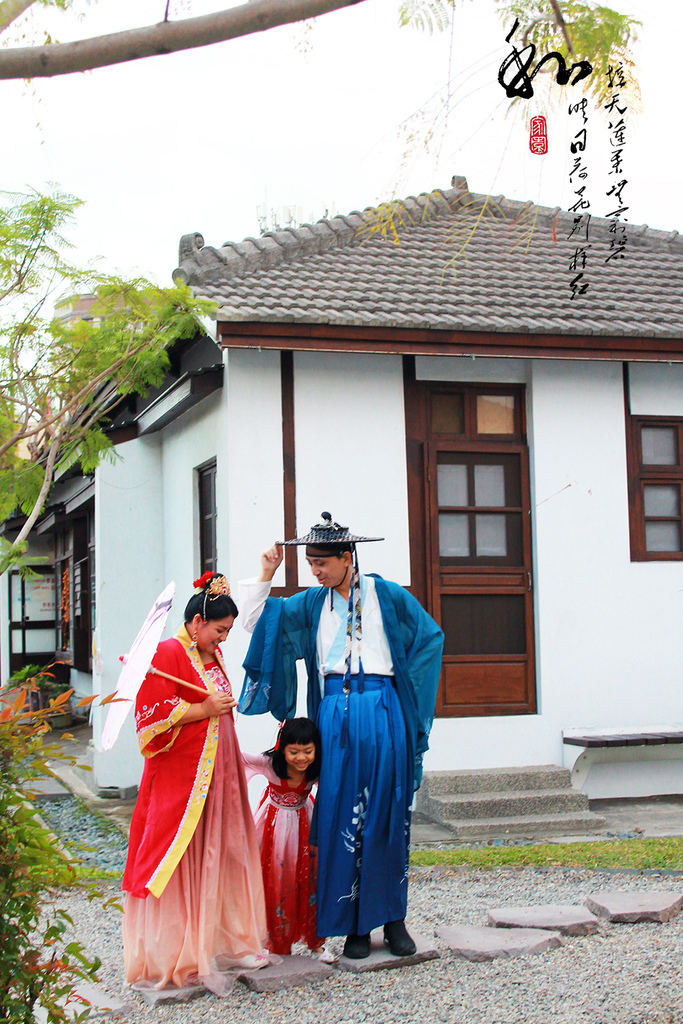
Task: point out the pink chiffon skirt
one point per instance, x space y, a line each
213 906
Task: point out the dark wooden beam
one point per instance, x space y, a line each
400 341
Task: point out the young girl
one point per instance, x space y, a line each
282 824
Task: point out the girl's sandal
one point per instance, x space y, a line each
326 956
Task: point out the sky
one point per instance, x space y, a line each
339 114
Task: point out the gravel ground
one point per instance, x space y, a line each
625 974
91 837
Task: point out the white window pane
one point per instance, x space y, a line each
15 584
661 501
39 603
662 537
659 446
454 538
451 482
16 641
490 534
40 641
489 485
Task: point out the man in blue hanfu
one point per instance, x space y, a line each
373 659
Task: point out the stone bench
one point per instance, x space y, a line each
629 761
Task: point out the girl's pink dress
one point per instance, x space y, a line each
212 906
282 822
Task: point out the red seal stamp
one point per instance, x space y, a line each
538 135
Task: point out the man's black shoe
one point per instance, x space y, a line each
357 947
397 939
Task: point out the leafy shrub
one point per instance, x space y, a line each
39 964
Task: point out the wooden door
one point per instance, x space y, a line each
476 522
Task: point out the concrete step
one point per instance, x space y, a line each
505 804
533 826
476 780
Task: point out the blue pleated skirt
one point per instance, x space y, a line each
363 807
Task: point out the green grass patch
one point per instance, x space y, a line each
658 854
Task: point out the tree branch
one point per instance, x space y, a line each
561 25
166 37
42 496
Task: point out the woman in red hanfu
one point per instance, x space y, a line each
194 894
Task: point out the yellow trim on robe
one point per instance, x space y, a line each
146 737
195 805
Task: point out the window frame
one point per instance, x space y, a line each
207 559
641 475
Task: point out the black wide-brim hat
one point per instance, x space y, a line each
328 532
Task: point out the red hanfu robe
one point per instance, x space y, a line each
173 788
194 900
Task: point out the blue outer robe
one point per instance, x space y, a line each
377 872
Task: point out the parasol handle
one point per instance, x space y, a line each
175 679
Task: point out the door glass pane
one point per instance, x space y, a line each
661 501
490 533
40 641
489 485
495 414
454 537
448 413
662 536
17 642
483 624
659 446
451 482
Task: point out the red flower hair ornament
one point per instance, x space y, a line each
203 580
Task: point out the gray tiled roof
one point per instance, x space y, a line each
458 262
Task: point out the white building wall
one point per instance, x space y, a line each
249 482
351 454
146 536
130 574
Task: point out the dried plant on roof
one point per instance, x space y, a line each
388 219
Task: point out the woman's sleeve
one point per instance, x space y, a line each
158 710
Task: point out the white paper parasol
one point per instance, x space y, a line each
136 666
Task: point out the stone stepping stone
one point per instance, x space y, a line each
102 1005
631 907
290 972
565 918
381 959
164 996
479 943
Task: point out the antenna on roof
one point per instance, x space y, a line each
282 217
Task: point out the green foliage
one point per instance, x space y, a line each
640 854
31 239
60 376
39 961
426 15
597 33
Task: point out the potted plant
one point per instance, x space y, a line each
41 686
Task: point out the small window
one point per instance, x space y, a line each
207 517
655 454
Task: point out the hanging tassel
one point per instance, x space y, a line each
345 723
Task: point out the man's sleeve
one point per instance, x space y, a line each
278 641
